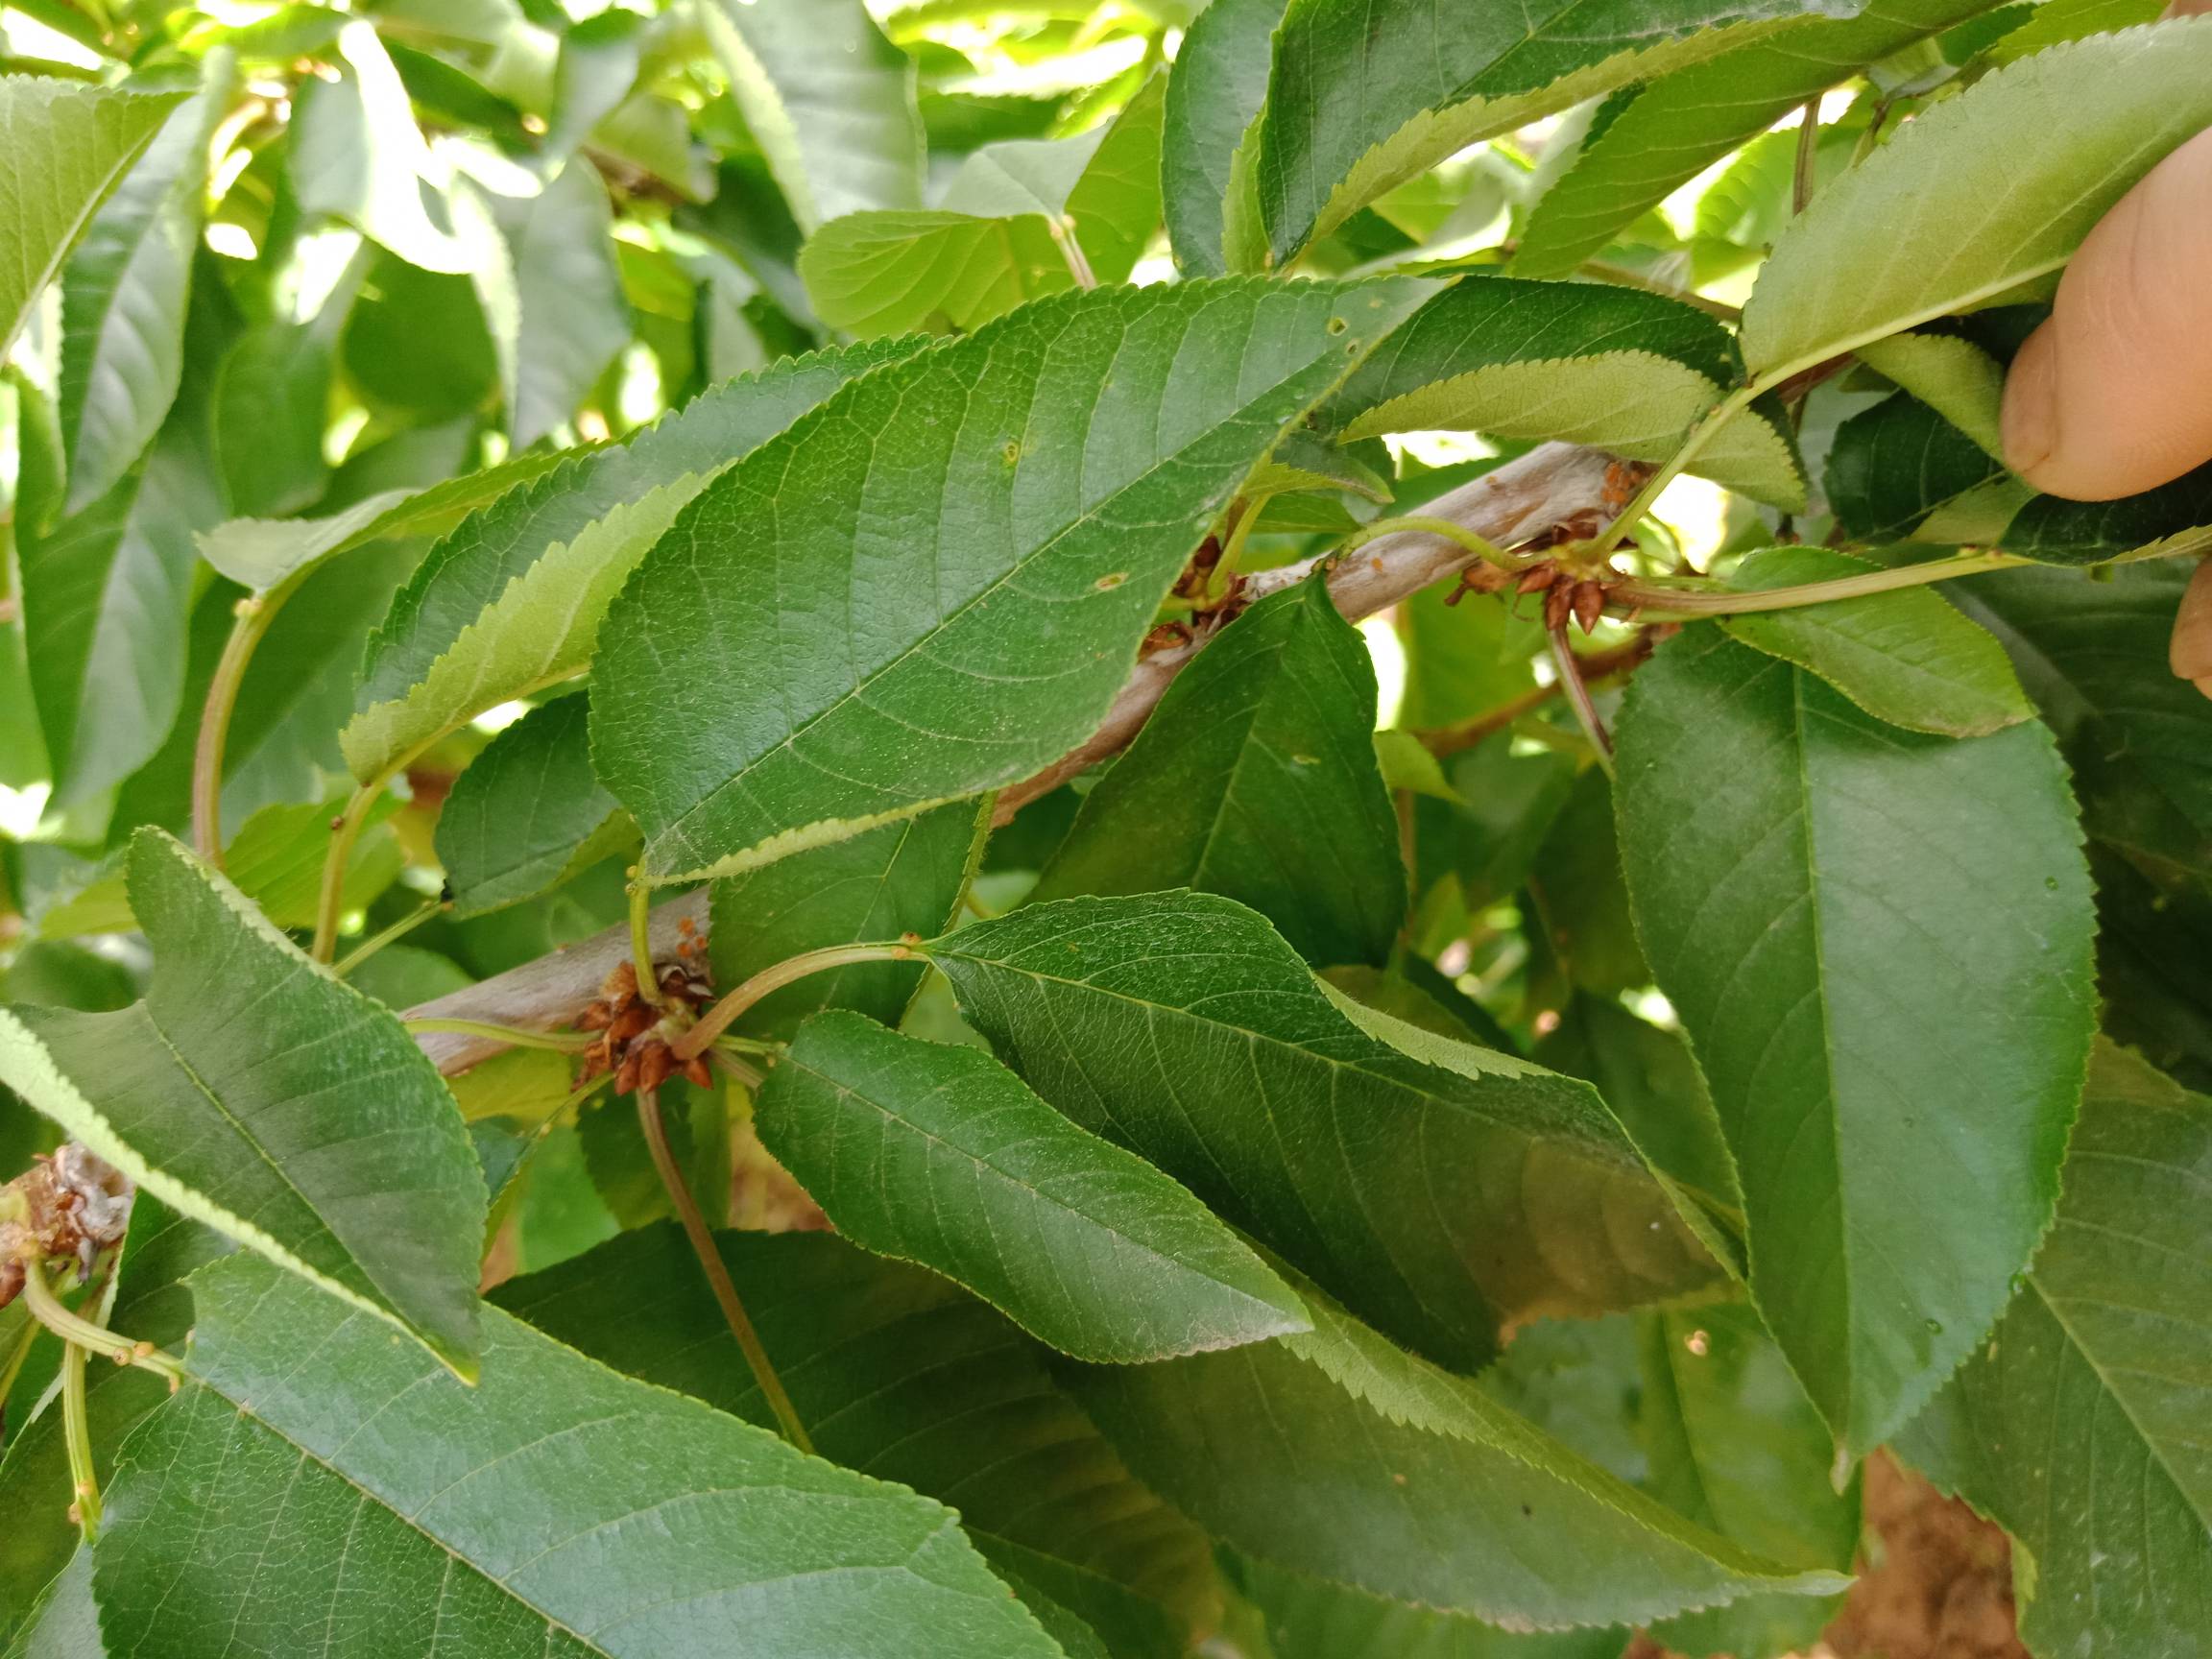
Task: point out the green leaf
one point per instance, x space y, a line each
68 145
558 1509
357 155
1735 1445
1979 194
1581 900
2064 532
511 600
904 878
992 245
939 1155
1846 916
1000 519
1308 1618
327 1142
1466 658
2079 1427
1256 778
1615 368
830 100
106 594
1677 126
1905 657
1953 376
1214 96
40 1541
572 317
2093 655
596 70
272 404
1892 465
2058 20
528 814
124 292
1182 1026
1436 76
903 1375
1337 1454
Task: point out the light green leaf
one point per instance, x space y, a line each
1214 99
572 314
1893 467
1255 776
1466 658
272 404
278 855
1407 764
2060 20
1309 1618
357 155
992 246
1038 486
558 1509
2093 655
1879 943
1441 1187
1336 1454
1978 195
327 1142
830 100
2079 1427
596 70
1905 657
1735 1445
1953 376
904 1376
1616 367
68 145
511 600
939 1155
528 814
1681 123
904 878
123 298
1436 76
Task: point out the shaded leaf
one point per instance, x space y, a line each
904 878
1439 1186
1336 1454
516 1511
1953 376
2079 1426
572 315
1256 778
1213 98
1841 911
1902 656
830 100
1308 1618
1580 897
900 1375
1979 194
68 145
1893 465
528 814
388 1214
511 600
1040 483
1615 368
939 1155
2064 532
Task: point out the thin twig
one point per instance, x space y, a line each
641 943
717 1271
343 831
253 614
1578 698
505 1036
1660 600
1807 173
1594 670
717 1018
398 929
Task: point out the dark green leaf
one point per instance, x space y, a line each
511 599
830 100
904 878
68 145
1893 465
1180 1026
1581 901
1336 1454
557 1509
1616 367
1309 1618
1849 916
528 814
1214 96
1905 657
939 1155
898 1374
2089 532
1256 778
325 1138
2079 1427
1038 484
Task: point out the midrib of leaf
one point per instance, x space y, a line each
831 830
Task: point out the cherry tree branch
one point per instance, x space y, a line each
1557 491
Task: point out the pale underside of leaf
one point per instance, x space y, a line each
1955 377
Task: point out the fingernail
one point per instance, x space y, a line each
2031 418
2190 653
